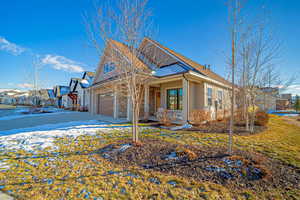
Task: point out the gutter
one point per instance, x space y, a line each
188 100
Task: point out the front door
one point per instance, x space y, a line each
157 100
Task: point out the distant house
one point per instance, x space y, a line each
10 96
79 90
61 96
178 84
282 104
267 97
84 89
74 82
288 99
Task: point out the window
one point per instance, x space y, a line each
220 99
174 99
108 67
209 96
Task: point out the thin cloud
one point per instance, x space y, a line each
25 85
62 63
10 47
294 89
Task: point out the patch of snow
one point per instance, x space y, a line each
154 180
173 183
181 127
40 137
172 156
124 147
215 168
4 166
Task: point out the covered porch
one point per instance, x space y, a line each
177 95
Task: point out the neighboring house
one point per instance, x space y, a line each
84 89
9 96
74 82
289 98
79 90
266 98
179 84
61 95
23 98
282 104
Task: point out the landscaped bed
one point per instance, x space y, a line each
240 170
223 127
169 165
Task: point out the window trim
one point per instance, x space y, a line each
211 96
178 98
222 98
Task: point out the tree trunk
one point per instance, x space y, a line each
246 113
135 131
252 119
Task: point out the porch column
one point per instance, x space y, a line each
185 100
92 109
116 106
129 108
146 101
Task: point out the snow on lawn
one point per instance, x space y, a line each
40 137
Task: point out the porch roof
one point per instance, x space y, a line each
172 69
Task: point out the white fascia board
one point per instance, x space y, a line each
208 79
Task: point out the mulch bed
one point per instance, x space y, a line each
216 127
223 127
243 170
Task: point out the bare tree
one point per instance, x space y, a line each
234 7
259 51
120 29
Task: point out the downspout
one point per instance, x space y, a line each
188 100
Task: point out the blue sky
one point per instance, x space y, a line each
54 30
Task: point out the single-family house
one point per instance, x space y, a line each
61 95
266 98
84 89
9 96
178 84
79 90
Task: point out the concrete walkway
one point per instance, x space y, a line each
32 121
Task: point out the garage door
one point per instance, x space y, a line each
105 104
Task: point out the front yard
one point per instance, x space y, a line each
83 167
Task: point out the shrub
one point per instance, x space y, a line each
197 117
165 117
238 114
261 118
186 152
220 115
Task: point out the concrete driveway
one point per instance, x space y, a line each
52 118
